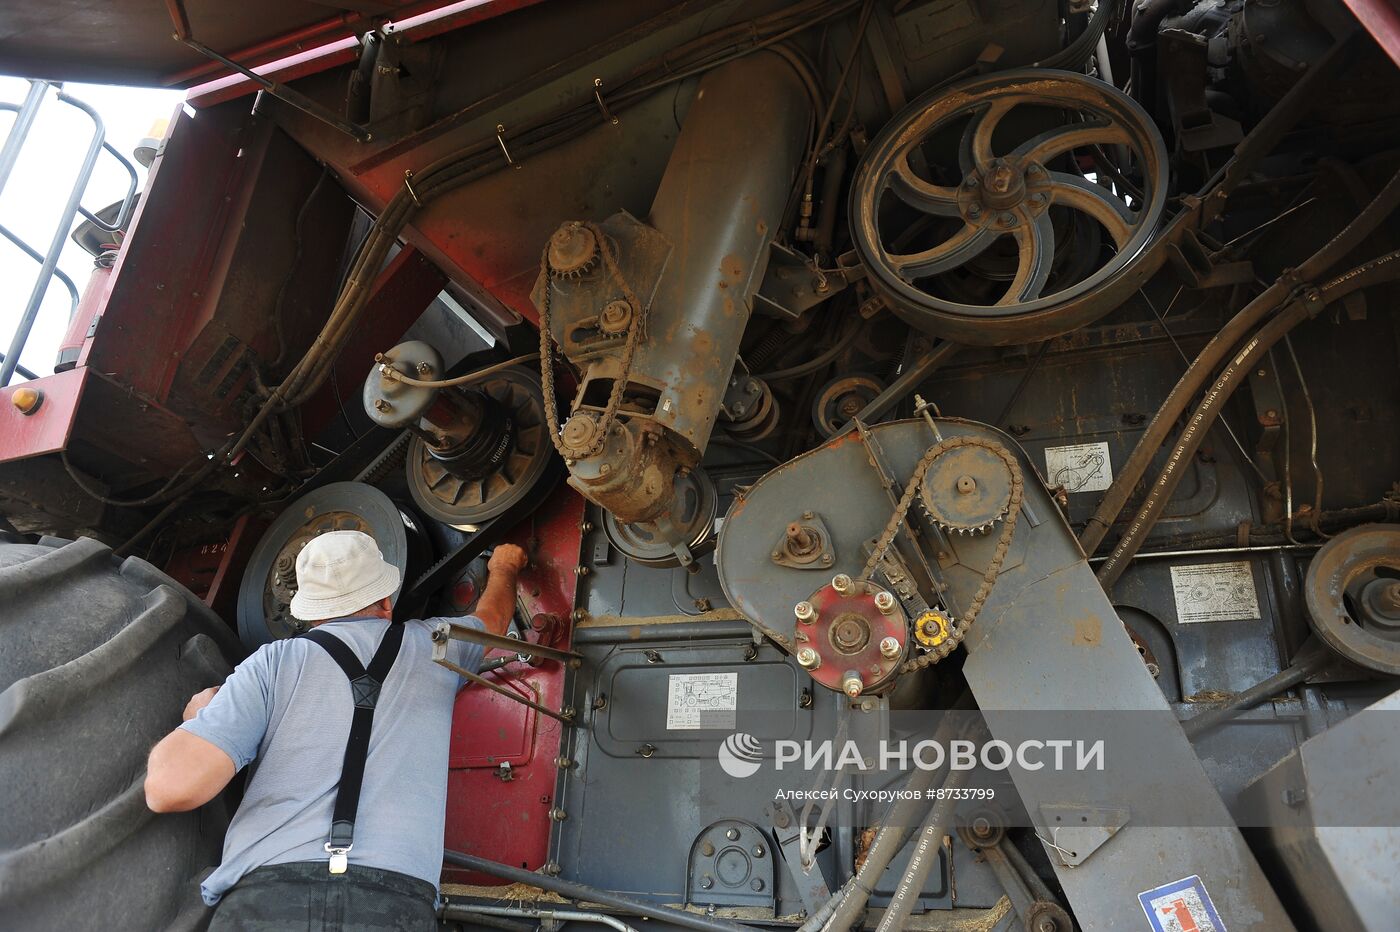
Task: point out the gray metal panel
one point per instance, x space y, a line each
1048 639
1334 823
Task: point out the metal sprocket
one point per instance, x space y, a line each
966 490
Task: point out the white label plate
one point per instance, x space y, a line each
702 700
1079 467
1214 592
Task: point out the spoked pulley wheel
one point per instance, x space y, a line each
986 162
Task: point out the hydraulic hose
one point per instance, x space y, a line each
921 861
848 903
1220 346
578 891
1303 307
840 912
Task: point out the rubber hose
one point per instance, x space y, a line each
1073 56
1220 346
1382 268
578 891
926 849
889 841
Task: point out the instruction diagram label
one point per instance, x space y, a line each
1079 467
702 700
1181 906
1214 592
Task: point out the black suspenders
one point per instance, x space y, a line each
364 689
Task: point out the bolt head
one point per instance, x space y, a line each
852 685
884 601
841 583
425 369
706 882
804 612
732 834
890 648
974 211
381 405
808 658
1007 219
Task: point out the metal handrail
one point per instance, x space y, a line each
128 202
48 270
34 254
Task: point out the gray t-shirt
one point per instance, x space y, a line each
288 706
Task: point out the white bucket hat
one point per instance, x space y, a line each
341 572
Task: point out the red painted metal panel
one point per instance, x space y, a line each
1382 20
167 257
47 429
509 820
330 44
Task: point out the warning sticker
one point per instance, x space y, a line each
1214 592
1181 906
1079 467
702 700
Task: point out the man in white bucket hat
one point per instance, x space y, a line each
347 730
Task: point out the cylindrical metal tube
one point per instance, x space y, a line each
578 891
720 214
473 910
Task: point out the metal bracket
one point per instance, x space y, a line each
926 578
501 141
598 96
820 557
1076 832
811 884
455 631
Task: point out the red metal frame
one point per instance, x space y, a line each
1382 20
332 43
509 821
47 429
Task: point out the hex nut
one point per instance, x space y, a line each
808 658
805 612
841 583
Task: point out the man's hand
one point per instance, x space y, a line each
508 558
198 701
497 603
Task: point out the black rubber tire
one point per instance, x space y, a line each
98 657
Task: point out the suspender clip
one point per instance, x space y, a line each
339 858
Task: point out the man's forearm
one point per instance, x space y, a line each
497 603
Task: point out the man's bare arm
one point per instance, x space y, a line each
184 770
497 603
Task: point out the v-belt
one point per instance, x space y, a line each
364 689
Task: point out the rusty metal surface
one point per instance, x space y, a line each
1008 193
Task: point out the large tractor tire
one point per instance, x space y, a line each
98 657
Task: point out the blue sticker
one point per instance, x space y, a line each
1181 906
